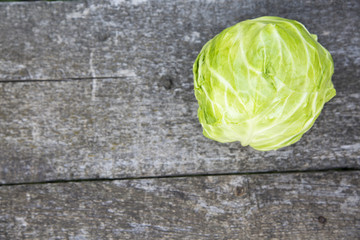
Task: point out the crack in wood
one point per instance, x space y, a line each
184 176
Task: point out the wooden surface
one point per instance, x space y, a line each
142 120
132 128
153 38
269 206
102 92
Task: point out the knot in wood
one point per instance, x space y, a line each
167 83
239 191
322 220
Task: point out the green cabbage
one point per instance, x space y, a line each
262 82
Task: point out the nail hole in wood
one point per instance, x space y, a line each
239 191
166 83
322 220
102 37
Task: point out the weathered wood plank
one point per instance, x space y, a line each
270 206
129 127
152 38
143 122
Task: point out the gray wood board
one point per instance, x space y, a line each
142 121
152 39
269 206
129 127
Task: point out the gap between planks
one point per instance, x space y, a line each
61 79
183 176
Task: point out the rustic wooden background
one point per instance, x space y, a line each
99 137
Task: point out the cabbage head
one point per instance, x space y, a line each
262 82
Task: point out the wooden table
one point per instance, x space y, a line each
99 137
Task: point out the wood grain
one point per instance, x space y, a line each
128 127
103 89
142 120
270 206
152 38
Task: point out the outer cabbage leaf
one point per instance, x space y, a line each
262 82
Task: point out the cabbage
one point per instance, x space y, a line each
262 82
